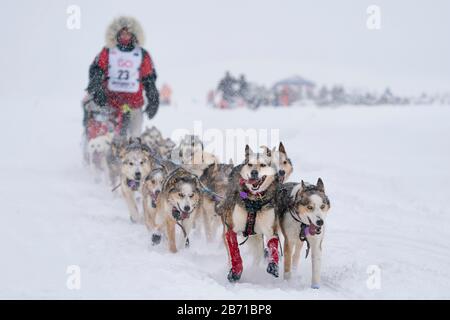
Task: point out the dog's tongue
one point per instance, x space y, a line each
312 229
253 182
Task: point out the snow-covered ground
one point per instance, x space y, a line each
386 171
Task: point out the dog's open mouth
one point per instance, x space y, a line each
97 158
179 214
313 229
154 197
256 183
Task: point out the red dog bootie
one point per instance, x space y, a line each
235 255
272 267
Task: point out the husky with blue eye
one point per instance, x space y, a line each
302 210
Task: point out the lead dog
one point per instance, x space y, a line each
302 209
136 165
177 204
249 209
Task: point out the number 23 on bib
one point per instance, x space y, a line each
124 70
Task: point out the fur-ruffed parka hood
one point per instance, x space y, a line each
118 24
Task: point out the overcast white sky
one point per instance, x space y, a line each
194 42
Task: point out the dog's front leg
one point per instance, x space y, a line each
149 217
316 258
287 258
298 245
207 211
131 203
272 246
234 255
171 235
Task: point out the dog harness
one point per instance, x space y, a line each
252 207
180 216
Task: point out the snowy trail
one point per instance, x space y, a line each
385 169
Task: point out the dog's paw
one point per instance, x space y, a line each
133 220
156 239
272 268
187 244
233 277
315 286
287 276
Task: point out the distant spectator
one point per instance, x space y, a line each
166 94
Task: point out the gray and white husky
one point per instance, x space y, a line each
302 210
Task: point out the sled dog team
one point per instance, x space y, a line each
181 186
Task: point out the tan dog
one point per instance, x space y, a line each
151 189
178 204
136 165
191 155
282 163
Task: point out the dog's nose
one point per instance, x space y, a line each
187 208
254 174
157 192
137 175
319 222
282 173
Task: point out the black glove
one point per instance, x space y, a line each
152 94
99 97
95 86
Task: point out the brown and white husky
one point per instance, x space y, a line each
303 209
249 209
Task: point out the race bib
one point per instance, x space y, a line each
123 70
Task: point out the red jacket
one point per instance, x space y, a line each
117 99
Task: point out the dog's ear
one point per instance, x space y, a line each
320 186
303 185
122 153
267 151
281 148
248 151
231 162
209 169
